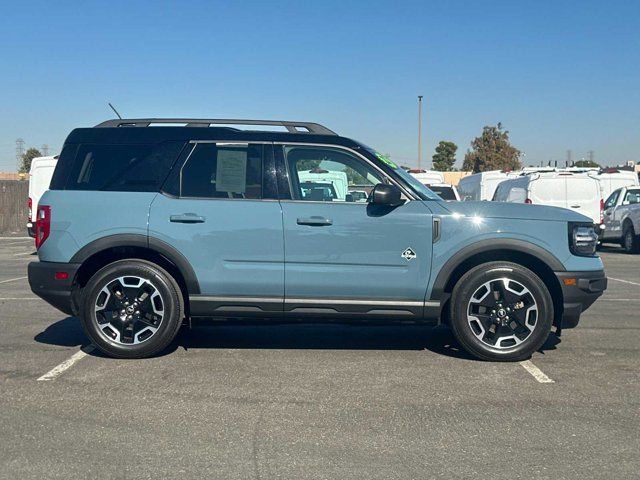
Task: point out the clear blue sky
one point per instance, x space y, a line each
558 74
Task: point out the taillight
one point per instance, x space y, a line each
43 224
30 204
601 210
528 201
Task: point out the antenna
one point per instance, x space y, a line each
114 109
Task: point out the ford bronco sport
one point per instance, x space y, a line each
145 226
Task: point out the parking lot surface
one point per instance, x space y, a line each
317 401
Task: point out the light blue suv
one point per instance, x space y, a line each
147 225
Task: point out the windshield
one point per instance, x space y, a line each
421 190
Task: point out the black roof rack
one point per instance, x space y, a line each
292 127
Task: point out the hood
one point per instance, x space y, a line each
520 211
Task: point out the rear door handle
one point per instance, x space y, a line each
315 221
575 206
186 218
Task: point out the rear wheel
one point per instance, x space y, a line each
131 309
501 311
630 241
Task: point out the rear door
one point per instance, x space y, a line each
611 224
549 190
220 210
584 195
344 255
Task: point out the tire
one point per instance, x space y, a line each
147 303
630 241
521 318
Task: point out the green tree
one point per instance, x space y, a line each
445 156
27 156
586 164
492 151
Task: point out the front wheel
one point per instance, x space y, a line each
630 241
501 311
131 309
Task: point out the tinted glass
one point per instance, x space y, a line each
445 193
63 167
223 171
123 168
325 174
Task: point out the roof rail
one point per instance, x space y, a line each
292 127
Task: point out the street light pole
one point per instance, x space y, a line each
419 132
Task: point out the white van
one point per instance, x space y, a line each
40 175
575 191
445 191
482 186
319 175
427 177
613 179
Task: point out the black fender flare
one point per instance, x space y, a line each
512 245
143 241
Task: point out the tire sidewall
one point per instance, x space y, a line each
166 288
471 281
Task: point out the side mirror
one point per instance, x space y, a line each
385 194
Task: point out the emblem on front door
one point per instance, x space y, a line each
408 254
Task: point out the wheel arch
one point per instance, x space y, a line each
103 251
533 257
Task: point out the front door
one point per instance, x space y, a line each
220 210
342 254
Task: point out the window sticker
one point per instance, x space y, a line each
386 160
231 171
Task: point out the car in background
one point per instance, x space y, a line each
40 175
445 191
575 191
427 177
622 219
482 186
611 179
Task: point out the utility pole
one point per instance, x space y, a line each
419 132
569 162
45 150
591 155
19 152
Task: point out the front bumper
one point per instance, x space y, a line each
43 282
579 291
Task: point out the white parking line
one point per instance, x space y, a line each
624 281
19 298
23 253
16 238
12 279
536 372
66 365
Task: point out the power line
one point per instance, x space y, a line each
19 151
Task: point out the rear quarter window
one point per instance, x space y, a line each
122 168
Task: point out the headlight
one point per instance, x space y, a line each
583 239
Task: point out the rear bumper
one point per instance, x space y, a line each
55 292
579 291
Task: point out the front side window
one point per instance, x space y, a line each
611 201
325 174
223 170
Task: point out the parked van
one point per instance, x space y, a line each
482 186
613 179
445 191
40 175
575 191
336 179
427 177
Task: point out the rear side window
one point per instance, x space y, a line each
223 170
445 193
122 168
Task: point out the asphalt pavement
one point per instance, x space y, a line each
317 401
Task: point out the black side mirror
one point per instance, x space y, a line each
385 194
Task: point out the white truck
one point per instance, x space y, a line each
574 191
622 219
40 175
482 186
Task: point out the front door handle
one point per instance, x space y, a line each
315 221
575 206
186 218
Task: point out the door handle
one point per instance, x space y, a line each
315 221
186 218
575 206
